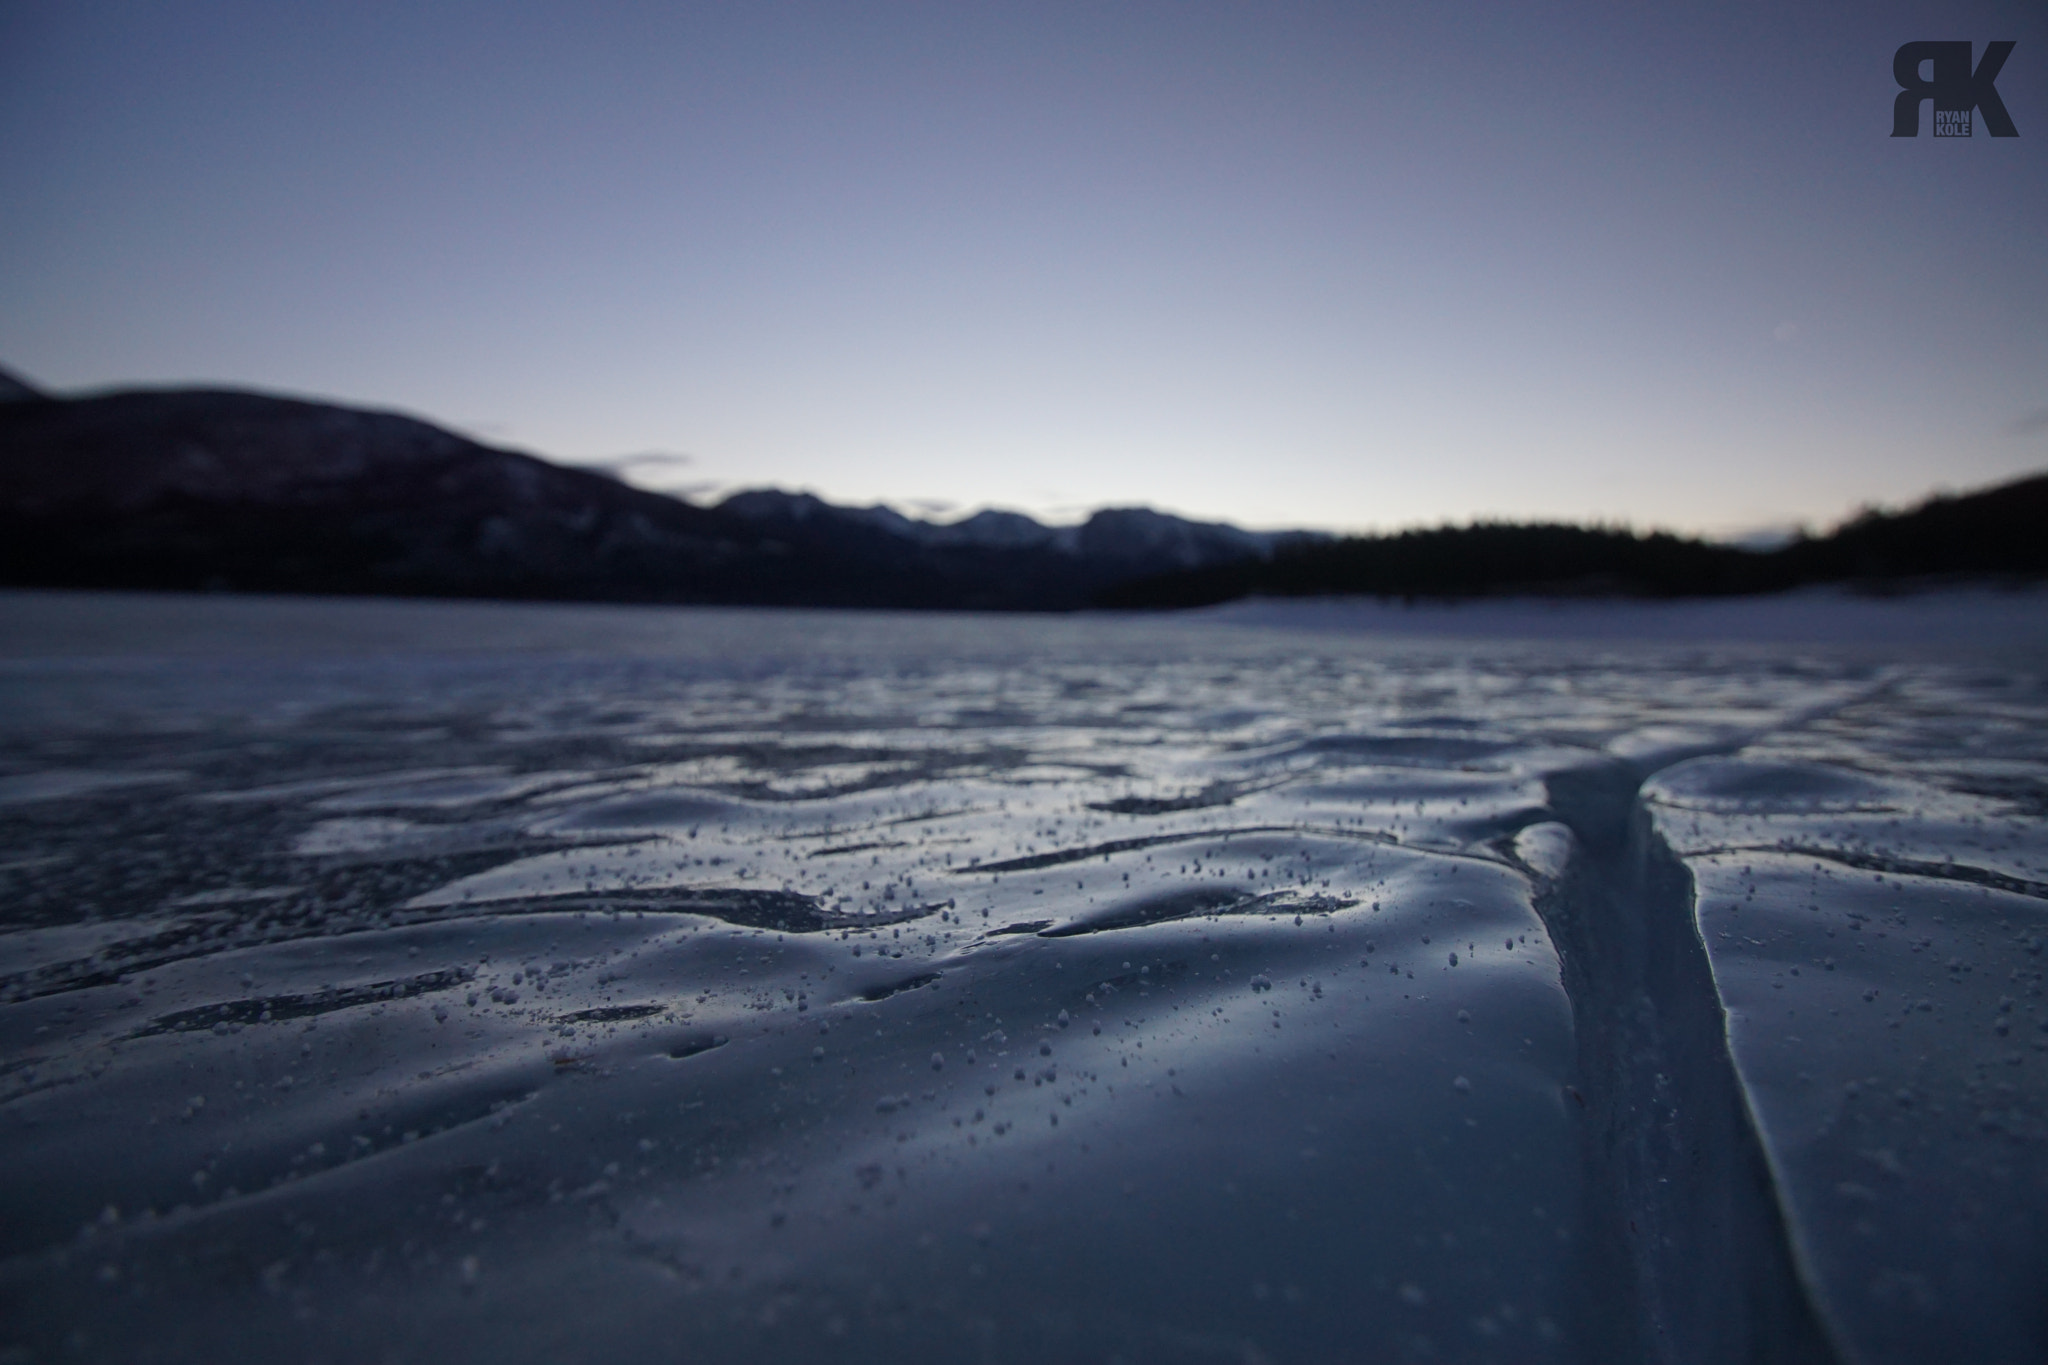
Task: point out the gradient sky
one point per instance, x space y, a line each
1337 265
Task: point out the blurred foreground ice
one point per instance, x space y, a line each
399 981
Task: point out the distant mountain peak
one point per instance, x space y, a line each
989 529
1141 539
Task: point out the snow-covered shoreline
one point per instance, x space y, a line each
1995 618
2009 624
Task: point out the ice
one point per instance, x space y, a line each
1874 910
58 784
559 983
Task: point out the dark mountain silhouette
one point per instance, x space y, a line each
1012 559
194 488
218 489
1994 533
15 389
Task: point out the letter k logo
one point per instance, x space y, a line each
1953 87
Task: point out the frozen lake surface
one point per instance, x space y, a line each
407 981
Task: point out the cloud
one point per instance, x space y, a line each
646 463
660 470
2033 424
656 471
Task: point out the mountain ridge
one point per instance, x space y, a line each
218 488
195 488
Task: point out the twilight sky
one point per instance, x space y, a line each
1332 265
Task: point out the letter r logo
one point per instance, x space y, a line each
1953 87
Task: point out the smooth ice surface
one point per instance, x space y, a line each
409 980
1873 893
